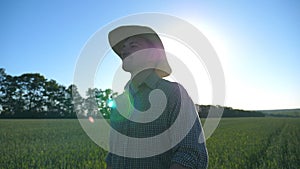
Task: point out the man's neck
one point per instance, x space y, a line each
140 77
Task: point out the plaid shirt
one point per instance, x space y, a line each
189 152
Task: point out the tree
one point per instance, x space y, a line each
31 87
69 105
31 95
78 102
90 102
3 87
57 100
103 99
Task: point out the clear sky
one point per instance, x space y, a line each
258 41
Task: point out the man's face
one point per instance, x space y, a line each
135 53
134 44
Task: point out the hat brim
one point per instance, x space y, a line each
118 36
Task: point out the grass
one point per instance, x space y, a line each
255 143
237 143
47 144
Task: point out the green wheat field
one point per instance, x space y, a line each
237 143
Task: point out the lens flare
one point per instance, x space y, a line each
91 119
111 103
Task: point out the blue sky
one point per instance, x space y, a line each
257 41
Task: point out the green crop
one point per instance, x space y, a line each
258 143
47 144
236 144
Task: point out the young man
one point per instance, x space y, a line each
167 120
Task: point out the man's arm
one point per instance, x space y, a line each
191 151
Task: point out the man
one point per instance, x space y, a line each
152 109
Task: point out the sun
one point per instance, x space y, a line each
188 69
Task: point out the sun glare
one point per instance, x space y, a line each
186 68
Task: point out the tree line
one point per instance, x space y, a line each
217 111
31 95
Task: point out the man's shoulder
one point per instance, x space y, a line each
168 87
172 88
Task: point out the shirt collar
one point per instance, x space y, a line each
148 78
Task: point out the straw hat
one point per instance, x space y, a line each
119 35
